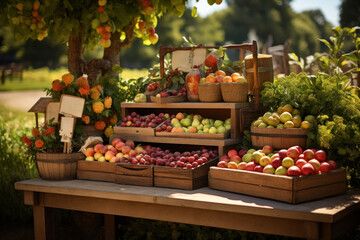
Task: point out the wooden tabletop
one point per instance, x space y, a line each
327 210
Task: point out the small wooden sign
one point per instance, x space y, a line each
67 128
71 105
52 112
184 60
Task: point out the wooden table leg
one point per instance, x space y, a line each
109 227
39 222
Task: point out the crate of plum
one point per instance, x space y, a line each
136 124
170 96
289 175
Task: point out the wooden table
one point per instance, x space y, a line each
323 219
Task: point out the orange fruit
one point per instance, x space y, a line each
235 75
227 79
220 73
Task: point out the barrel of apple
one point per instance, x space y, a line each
265 71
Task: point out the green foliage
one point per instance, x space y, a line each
16 165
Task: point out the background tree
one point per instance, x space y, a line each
83 23
350 13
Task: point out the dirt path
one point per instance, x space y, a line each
21 100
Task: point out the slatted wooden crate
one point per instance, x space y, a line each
183 178
135 131
141 175
98 171
282 188
194 135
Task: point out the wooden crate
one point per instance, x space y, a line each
135 131
141 175
98 171
194 135
282 188
183 178
170 99
278 138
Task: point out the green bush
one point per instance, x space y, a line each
15 164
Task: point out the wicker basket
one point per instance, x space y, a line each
234 91
210 92
58 166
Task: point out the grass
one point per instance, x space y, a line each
39 79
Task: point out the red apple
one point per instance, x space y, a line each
258 168
250 166
115 141
98 147
269 169
232 152
132 153
276 155
316 164
265 160
293 153
242 152
294 171
333 164
308 154
222 164
320 155
267 149
242 165
282 153
300 162
125 149
276 163
325 167
299 149
225 158
130 143
89 152
307 169
119 146
109 155
236 159
301 156
232 165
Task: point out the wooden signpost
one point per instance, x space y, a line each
71 107
52 112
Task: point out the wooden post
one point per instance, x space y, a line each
110 228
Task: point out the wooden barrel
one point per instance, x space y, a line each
278 138
265 68
58 166
90 130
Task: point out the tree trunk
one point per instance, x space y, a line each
112 53
75 54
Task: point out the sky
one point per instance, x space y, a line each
330 8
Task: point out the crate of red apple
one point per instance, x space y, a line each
169 96
132 164
134 123
290 175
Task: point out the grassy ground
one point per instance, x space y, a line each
39 79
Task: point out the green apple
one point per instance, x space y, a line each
206 130
227 121
270 127
211 121
266 116
174 120
102 159
95 23
202 80
227 127
280 126
140 98
257 123
262 125
197 116
213 130
285 116
167 116
247 157
251 150
221 129
205 121
186 122
280 171
200 127
218 123
195 123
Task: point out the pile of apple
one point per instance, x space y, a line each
149 121
121 151
190 123
285 117
292 162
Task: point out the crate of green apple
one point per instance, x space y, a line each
194 126
289 175
134 123
123 162
170 96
